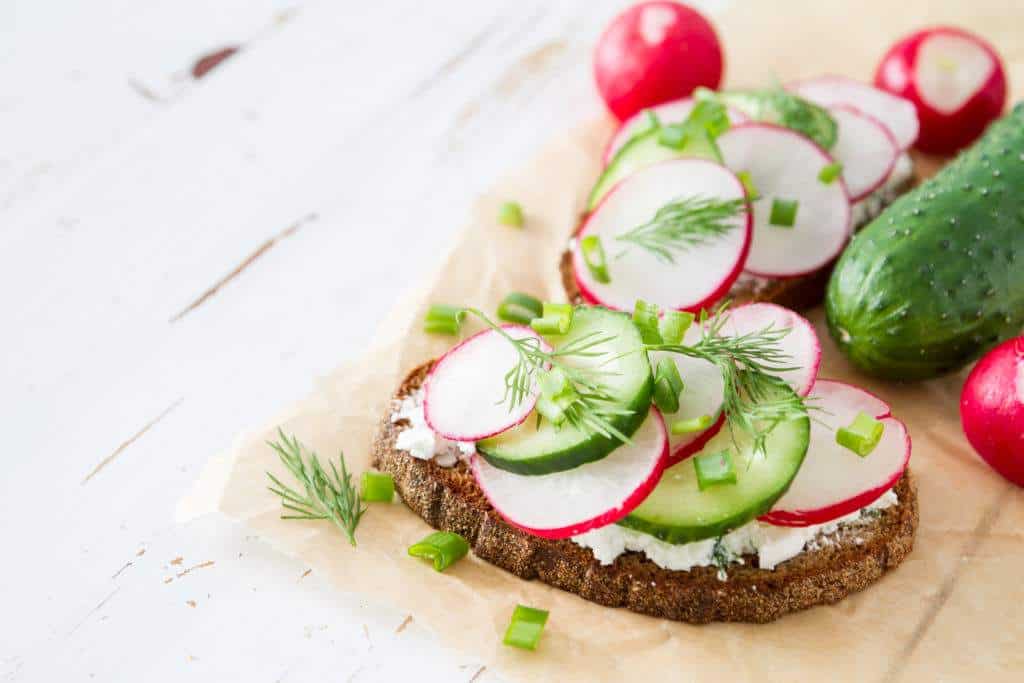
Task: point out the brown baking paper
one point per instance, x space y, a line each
952 611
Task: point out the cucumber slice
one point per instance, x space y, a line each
677 511
529 449
645 149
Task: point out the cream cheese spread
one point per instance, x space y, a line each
772 544
419 440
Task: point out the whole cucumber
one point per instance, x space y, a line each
938 278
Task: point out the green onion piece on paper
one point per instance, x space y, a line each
520 308
443 319
691 426
674 325
555 319
862 435
829 173
593 256
377 487
511 214
783 212
443 548
645 317
673 136
526 627
748 185
714 469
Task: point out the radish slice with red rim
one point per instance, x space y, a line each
462 397
854 399
896 113
593 495
675 111
703 392
801 344
783 167
834 481
696 276
865 148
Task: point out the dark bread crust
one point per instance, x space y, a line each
797 293
449 499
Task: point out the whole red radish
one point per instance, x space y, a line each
954 78
655 52
992 409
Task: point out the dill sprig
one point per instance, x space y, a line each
593 407
750 364
323 495
683 224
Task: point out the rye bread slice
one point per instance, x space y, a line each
854 557
797 293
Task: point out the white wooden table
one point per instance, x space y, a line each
166 240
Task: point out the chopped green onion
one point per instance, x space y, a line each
442 319
748 185
862 436
691 426
673 136
520 308
714 469
556 395
674 325
666 400
554 382
829 173
511 214
667 386
525 628
550 410
555 319
711 116
668 370
444 548
593 256
377 487
783 212
645 316
653 121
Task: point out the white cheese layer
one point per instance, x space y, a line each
772 544
420 441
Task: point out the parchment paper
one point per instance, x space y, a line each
952 611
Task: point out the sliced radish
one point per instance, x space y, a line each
898 114
834 481
784 165
567 503
801 344
697 276
854 399
675 111
704 390
703 393
462 398
954 78
865 148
